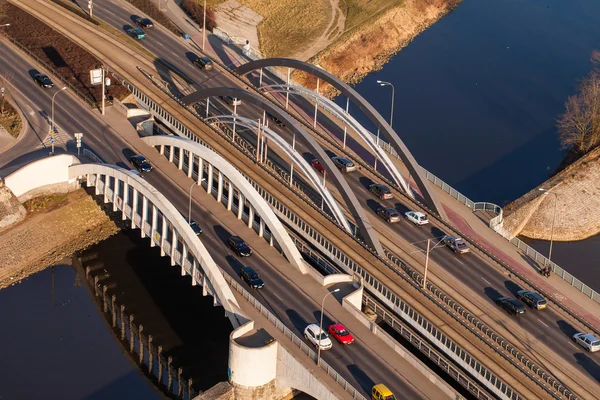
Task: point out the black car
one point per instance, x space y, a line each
381 191
195 227
43 81
275 120
240 247
251 278
389 214
141 163
204 63
144 23
512 306
532 299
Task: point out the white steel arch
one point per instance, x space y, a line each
296 158
154 202
236 180
339 112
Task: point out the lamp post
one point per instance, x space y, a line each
3 25
52 120
321 325
546 192
204 26
383 83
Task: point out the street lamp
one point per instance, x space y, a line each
204 26
3 25
321 324
546 192
383 83
52 120
427 251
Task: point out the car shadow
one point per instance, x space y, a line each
33 73
308 156
437 232
128 153
492 293
222 233
134 18
330 153
363 379
373 205
366 182
590 366
191 56
566 328
326 320
234 263
122 165
512 287
297 320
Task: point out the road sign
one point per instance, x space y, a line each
51 139
2 90
96 76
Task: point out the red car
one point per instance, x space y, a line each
339 332
317 165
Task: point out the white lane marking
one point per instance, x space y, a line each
175 55
275 294
574 345
485 280
160 44
460 262
543 323
31 112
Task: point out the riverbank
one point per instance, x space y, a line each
573 197
55 227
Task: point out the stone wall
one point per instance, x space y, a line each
11 211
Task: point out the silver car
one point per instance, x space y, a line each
389 214
381 191
344 164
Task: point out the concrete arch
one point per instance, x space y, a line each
180 228
360 217
244 187
405 155
290 152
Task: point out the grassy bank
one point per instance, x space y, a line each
10 119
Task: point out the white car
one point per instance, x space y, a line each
588 341
317 337
416 217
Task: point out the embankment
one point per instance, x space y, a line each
574 196
55 227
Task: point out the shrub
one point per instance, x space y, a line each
196 12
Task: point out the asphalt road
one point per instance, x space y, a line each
355 363
548 326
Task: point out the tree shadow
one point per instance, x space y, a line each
534 264
492 293
220 50
590 366
363 379
512 287
297 320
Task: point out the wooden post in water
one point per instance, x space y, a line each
179 385
150 356
140 330
96 285
160 364
122 322
131 334
87 272
189 389
169 374
104 289
113 300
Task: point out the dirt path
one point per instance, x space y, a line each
334 29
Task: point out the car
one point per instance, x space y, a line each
344 164
532 299
317 337
194 225
382 392
232 101
389 214
381 191
416 217
43 81
239 246
141 163
204 63
588 341
512 306
340 333
276 120
317 165
456 244
144 23
250 276
136 33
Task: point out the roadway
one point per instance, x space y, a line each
543 335
356 363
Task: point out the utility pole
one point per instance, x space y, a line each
90 6
103 88
426 265
204 26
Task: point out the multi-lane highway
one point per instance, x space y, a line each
357 363
545 335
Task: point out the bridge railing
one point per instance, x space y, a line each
294 338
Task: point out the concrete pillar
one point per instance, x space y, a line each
230 196
190 164
106 183
88 183
162 149
173 247
271 240
116 194
165 229
154 225
144 216
194 271
219 187
96 188
180 166
204 285
240 205
261 228
125 201
134 206
184 254
251 216
209 179
171 153
200 171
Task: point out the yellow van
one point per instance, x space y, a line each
381 392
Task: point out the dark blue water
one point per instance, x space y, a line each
478 93
61 350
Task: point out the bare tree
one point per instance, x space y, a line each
579 126
5 79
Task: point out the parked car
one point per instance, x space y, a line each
136 33
340 333
317 337
588 341
250 276
195 227
144 23
317 165
239 246
532 299
382 392
232 101
275 120
511 306
204 63
141 163
43 81
344 164
416 217
381 191
389 214
456 244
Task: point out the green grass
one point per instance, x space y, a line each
360 11
10 119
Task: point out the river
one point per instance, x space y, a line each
478 93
